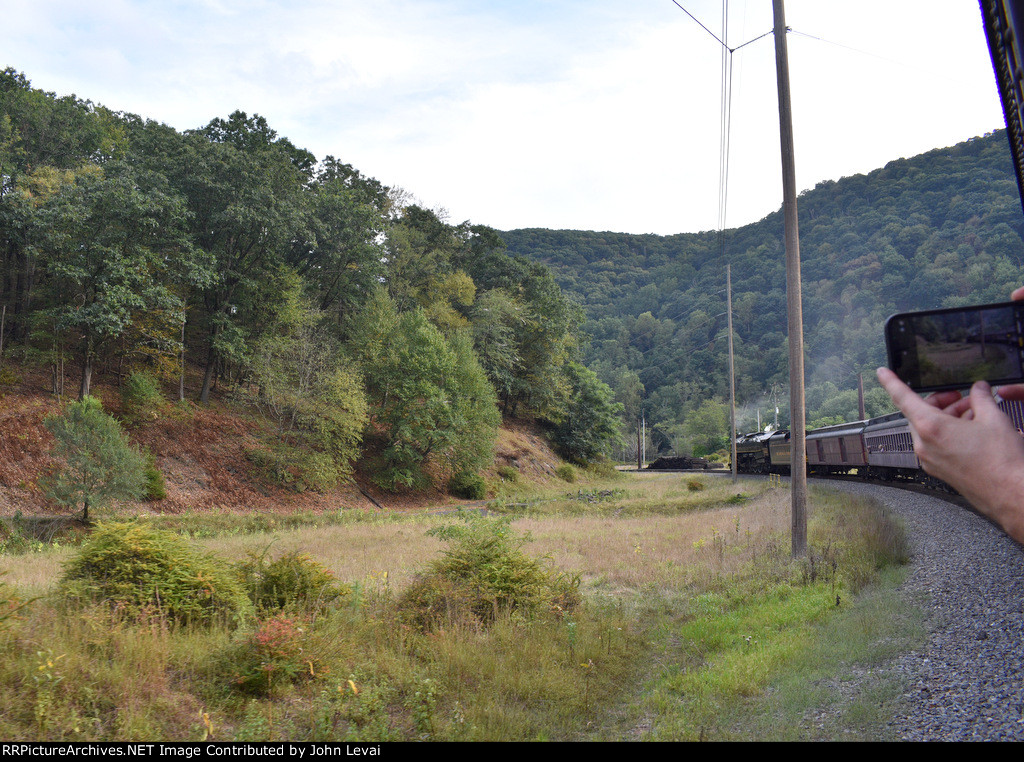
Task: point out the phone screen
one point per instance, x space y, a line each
953 348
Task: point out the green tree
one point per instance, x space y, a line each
339 251
498 321
98 464
243 187
318 403
112 233
708 427
432 401
589 416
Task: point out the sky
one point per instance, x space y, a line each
568 114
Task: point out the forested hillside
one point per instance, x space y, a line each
940 229
366 329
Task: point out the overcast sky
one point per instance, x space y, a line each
583 114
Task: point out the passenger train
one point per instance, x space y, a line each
881 448
878 448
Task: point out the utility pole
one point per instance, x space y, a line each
794 308
638 455
643 438
732 370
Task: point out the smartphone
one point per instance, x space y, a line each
935 350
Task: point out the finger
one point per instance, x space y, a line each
1018 294
1014 392
982 402
943 400
905 398
958 408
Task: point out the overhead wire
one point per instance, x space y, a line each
724 151
725 117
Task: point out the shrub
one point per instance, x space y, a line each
293 581
483 573
142 571
468 486
297 466
603 468
508 474
269 656
141 397
695 485
156 489
566 473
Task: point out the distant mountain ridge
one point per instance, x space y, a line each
940 229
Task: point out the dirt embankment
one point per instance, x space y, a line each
201 451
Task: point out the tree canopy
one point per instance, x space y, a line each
363 325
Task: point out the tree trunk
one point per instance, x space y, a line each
86 386
211 360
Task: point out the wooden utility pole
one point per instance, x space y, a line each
798 431
639 457
732 369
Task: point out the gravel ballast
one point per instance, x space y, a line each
967 684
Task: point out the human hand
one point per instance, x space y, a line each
970 444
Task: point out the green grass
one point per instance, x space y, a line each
696 624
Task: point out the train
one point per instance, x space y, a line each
878 448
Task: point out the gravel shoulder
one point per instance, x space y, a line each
967 684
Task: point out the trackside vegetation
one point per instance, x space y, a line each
623 608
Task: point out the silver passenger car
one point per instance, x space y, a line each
890 450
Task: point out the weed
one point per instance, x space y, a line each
423 705
695 485
47 677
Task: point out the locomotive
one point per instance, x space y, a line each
876 448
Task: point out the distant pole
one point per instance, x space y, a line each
798 483
732 369
643 439
638 456
860 397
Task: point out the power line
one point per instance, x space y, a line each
715 36
700 24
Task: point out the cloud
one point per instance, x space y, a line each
571 113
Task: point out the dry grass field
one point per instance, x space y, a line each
687 591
